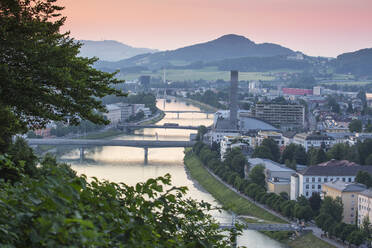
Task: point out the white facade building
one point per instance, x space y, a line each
313 177
230 142
313 140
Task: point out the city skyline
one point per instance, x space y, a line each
317 28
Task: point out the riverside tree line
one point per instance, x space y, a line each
327 213
44 203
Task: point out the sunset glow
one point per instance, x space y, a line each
316 27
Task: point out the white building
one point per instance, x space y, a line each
230 142
113 114
276 136
313 177
313 140
364 206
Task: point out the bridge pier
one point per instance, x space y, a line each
81 154
207 115
178 115
146 160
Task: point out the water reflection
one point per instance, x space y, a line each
125 164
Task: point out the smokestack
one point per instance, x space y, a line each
234 100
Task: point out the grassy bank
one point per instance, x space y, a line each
229 199
232 201
201 105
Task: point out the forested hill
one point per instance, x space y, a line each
227 46
358 63
110 50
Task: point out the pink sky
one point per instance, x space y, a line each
315 27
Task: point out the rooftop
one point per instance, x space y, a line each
346 187
269 164
334 162
335 169
367 192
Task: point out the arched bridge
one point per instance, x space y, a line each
122 126
82 143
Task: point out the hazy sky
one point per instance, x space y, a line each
315 27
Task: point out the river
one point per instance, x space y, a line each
126 164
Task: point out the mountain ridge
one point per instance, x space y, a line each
225 47
110 50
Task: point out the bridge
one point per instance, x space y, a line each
123 126
264 227
83 143
178 112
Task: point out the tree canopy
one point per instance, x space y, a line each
41 76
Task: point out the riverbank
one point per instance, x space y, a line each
201 105
241 206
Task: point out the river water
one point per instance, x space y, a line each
126 164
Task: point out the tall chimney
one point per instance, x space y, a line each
234 100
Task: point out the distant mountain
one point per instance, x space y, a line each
225 47
110 50
358 63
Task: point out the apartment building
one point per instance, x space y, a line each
364 206
280 115
311 179
348 193
313 140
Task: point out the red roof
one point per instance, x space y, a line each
298 92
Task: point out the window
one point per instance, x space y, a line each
307 179
352 195
313 186
343 179
313 179
307 186
319 179
319 186
307 193
349 179
325 179
352 209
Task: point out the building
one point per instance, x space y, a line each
364 206
119 112
297 92
348 193
313 140
280 115
318 90
276 136
311 179
230 142
278 176
113 114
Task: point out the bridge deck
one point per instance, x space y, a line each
157 126
131 143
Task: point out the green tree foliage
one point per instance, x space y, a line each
257 175
236 161
262 152
364 150
202 130
333 104
338 152
364 177
294 152
60 209
19 151
41 77
368 160
333 208
268 149
320 156
315 202
210 98
356 126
